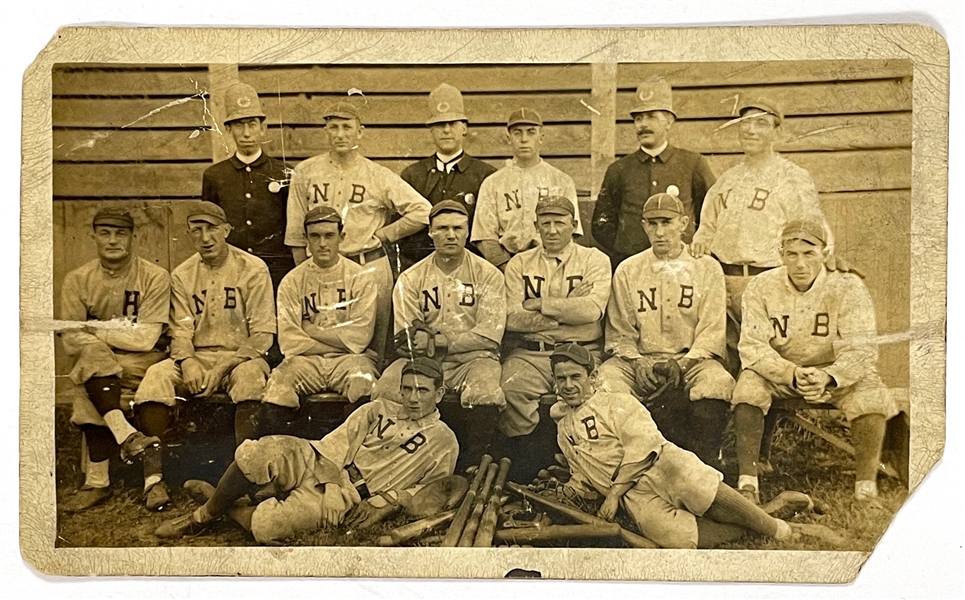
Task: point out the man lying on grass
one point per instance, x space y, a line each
613 447
359 474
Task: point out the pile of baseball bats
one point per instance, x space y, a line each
474 523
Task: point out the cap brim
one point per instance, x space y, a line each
341 115
555 211
422 370
447 118
563 354
660 213
234 118
113 222
804 237
643 109
211 219
524 122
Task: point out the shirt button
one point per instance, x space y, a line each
248 222
654 183
248 169
249 195
250 250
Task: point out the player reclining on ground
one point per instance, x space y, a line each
613 447
359 474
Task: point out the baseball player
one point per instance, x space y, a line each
116 288
655 167
555 293
326 316
744 212
222 324
359 474
614 448
503 225
666 323
450 173
810 332
366 195
251 186
461 296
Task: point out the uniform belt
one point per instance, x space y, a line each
743 270
355 476
367 256
547 346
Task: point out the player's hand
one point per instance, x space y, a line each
669 372
811 382
609 509
193 375
364 515
643 372
211 382
581 290
333 505
533 304
698 249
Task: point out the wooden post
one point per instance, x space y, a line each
220 76
603 132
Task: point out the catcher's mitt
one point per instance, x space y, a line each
419 340
439 496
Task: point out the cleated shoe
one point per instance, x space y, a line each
86 497
157 496
751 494
819 532
135 444
787 504
180 527
200 491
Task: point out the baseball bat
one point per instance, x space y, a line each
528 535
459 521
415 529
469 533
487 524
633 539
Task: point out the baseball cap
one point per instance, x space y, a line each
762 104
555 205
807 230
241 102
342 110
448 206
653 94
524 116
208 212
113 217
573 352
445 105
424 366
663 205
323 214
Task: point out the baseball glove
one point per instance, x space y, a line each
419 340
439 496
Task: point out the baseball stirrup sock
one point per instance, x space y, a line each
749 425
711 534
104 393
730 507
98 474
232 486
119 426
100 442
867 433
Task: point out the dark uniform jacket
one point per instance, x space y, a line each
461 184
634 178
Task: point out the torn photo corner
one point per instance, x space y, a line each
376 309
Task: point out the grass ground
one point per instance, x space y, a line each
801 462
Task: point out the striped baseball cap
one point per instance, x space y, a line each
575 353
524 116
663 205
323 214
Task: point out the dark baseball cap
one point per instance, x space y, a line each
450 206
762 104
555 205
424 366
342 110
575 353
663 205
113 217
323 214
208 212
524 116
806 230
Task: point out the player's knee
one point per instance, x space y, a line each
752 389
714 384
247 381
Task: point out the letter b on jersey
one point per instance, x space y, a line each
589 424
413 443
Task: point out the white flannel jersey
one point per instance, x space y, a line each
506 208
667 306
831 323
744 212
339 300
366 194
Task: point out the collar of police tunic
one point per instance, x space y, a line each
665 154
240 164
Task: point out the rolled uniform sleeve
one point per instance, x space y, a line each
754 347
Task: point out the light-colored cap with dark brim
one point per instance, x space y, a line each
207 212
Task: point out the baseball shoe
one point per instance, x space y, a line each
86 497
200 491
819 532
157 496
135 444
787 504
751 494
180 527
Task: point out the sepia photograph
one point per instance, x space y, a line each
517 305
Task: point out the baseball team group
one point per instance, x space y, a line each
451 303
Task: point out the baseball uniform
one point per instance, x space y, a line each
377 450
611 439
214 311
630 181
831 326
526 372
507 204
326 317
140 294
366 195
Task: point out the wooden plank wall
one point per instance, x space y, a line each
142 136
